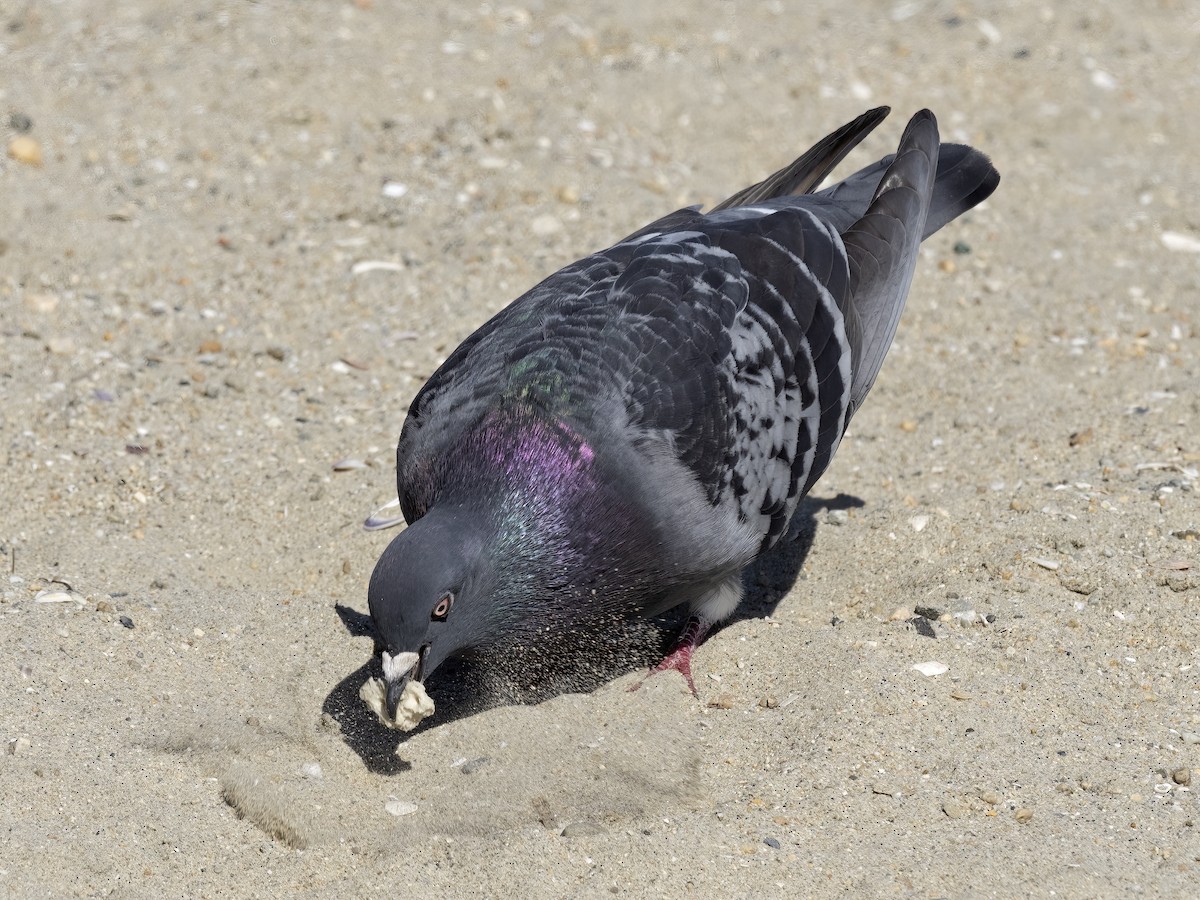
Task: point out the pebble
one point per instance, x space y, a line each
127 622
25 149
375 265
922 626
41 303
474 765
771 842
312 770
989 797
20 122
19 746
103 606
953 809
769 702
399 808
918 523
545 225
932 668
1172 240
1023 815
724 701
582 829
394 190
57 597
1182 776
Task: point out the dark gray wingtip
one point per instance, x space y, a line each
882 249
806 173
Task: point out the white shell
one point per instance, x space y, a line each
931 668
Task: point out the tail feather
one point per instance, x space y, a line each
965 178
806 173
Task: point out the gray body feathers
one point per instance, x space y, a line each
701 371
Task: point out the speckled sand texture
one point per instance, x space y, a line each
235 238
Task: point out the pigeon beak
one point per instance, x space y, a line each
398 670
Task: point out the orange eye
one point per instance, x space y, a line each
443 608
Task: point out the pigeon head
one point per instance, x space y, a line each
430 595
523 534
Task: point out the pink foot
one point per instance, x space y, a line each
680 658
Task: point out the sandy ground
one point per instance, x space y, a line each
192 335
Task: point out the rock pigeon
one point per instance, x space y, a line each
631 433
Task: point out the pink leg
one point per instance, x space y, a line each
680 657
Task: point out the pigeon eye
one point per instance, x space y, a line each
443 608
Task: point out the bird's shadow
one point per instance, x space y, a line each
580 661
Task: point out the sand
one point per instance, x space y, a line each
256 227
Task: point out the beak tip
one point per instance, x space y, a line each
395 690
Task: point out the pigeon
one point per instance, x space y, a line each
632 432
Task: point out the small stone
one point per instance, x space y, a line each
908 425
210 346
1172 240
474 765
103 606
312 770
724 701
769 702
1023 815
568 194
399 808
545 225
1182 775
20 123
962 248
932 668
958 694
901 614
127 622
884 789
279 354
25 149
922 626
771 842
252 721
19 746
953 809
41 303
948 266
582 829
